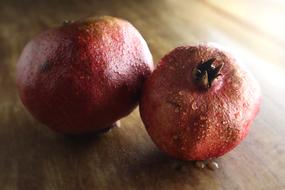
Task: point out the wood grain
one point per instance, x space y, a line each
33 157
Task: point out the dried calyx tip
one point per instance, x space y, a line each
205 73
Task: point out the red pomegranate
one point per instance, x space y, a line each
199 102
83 76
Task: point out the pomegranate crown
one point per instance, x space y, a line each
205 73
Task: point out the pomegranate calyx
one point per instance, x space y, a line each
205 73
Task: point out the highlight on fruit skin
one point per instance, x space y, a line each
85 75
199 102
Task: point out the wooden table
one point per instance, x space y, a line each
33 157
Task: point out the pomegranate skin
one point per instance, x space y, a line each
83 76
191 123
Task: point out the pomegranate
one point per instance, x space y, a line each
83 76
199 102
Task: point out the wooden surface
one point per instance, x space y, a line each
33 157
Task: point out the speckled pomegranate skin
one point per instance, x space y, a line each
193 124
83 76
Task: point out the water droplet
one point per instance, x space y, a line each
180 93
218 58
200 164
238 116
225 122
176 110
203 117
236 85
212 165
118 123
229 80
194 106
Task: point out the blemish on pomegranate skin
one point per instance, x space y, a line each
203 118
175 137
176 110
174 103
45 67
194 106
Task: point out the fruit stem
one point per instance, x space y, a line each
205 73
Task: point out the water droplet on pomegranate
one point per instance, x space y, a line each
218 58
235 85
238 116
180 93
229 80
194 106
225 122
203 117
118 123
176 110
